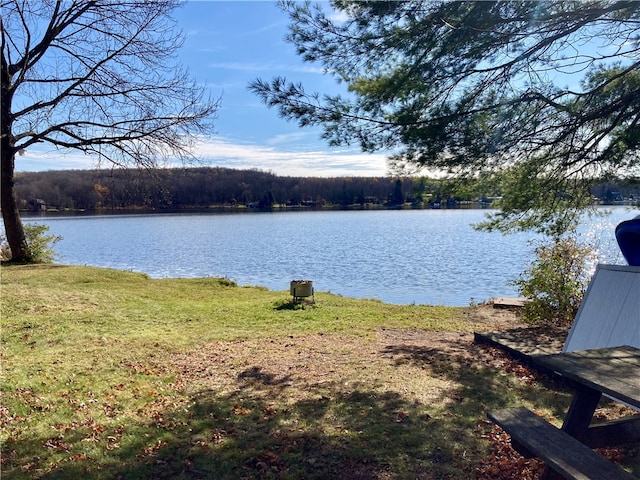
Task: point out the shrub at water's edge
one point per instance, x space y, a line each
39 244
556 281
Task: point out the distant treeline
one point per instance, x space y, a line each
201 188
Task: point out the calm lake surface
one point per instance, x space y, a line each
397 256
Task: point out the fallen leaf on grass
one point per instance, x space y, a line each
57 444
238 410
402 416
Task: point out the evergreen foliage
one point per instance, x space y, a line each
544 94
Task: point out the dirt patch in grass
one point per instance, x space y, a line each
401 403
300 362
390 405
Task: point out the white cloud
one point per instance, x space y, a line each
338 16
260 67
312 163
266 28
40 161
223 152
294 137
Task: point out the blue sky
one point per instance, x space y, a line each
228 44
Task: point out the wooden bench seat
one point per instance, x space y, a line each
534 436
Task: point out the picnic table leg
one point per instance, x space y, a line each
584 404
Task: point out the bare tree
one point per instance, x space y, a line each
100 77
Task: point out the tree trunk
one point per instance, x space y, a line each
12 223
8 204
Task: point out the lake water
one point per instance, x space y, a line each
397 256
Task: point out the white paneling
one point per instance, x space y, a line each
610 311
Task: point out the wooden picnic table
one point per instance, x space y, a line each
613 371
568 453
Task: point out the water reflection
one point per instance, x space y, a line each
406 256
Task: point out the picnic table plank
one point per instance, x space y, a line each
614 371
533 435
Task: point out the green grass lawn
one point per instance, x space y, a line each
110 374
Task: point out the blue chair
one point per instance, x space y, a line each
628 237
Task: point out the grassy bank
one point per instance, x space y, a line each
110 374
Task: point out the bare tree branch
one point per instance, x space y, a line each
99 76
